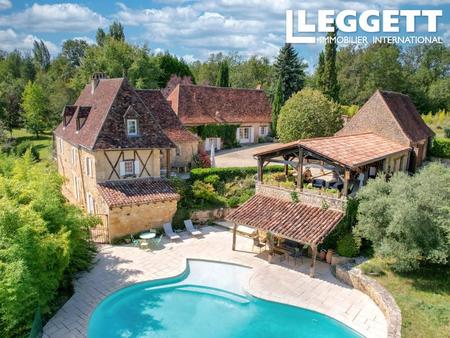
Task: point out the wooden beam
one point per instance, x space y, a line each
168 163
234 236
285 162
300 169
346 179
260 170
312 268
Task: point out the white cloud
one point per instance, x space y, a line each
5 4
10 40
54 18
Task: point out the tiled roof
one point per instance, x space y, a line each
136 191
210 105
391 115
297 221
105 127
351 151
165 116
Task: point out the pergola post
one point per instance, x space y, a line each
168 163
300 169
234 236
260 170
313 262
346 179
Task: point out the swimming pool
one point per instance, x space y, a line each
207 300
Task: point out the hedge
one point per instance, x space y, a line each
227 174
440 147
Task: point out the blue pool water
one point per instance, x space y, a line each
176 308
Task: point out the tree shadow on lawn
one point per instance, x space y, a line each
432 278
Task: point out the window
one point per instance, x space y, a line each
89 171
90 203
244 133
76 188
263 131
129 168
74 155
132 127
61 146
178 151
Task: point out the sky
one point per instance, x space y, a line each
191 29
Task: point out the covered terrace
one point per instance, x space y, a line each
342 163
282 218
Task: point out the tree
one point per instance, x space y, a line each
309 113
223 79
116 31
35 107
290 70
319 81
74 50
251 73
276 106
408 219
10 95
171 65
144 71
100 37
329 81
41 54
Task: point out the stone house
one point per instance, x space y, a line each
393 116
249 109
109 147
186 143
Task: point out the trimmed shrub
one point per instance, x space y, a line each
228 174
214 180
348 246
441 147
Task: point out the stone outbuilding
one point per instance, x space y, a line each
393 116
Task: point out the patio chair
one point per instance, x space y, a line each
318 183
258 244
169 232
135 241
155 242
191 229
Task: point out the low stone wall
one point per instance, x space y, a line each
203 216
312 198
355 278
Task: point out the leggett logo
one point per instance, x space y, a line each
369 21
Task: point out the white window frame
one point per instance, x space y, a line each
88 163
61 146
74 155
131 122
90 203
135 168
263 130
76 187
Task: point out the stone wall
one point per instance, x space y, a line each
186 151
203 216
355 278
307 197
136 218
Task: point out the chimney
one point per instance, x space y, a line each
96 77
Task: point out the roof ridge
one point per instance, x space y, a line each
216 87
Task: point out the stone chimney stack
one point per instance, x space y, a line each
96 77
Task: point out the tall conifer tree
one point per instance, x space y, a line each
223 77
329 78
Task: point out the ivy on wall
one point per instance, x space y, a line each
227 132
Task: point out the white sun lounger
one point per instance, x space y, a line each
190 227
169 232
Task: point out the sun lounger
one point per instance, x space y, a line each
169 232
190 228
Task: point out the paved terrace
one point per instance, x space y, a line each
118 266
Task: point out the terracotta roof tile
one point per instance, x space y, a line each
297 221
165 116
207 105
136 191
104 127
350 150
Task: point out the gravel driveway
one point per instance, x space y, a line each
240 157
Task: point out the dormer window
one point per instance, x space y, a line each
132 127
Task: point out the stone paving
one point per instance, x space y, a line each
119 266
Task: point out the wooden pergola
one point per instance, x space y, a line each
346 154
298 222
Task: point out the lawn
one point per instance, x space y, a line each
43 143
424 300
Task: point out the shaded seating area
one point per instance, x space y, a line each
287 225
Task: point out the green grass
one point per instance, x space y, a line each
43 143
423 297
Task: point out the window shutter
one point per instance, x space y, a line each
237 133
137 169
122 168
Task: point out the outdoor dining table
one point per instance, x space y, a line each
147 236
